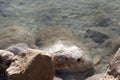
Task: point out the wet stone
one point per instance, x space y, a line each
97 37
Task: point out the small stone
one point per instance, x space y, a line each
96 59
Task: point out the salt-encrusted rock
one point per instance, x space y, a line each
17 48
15 34
34 65
6 58
69 58
95 77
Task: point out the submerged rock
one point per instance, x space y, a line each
45 36
69 58
97 37
34 65
15 34
17 48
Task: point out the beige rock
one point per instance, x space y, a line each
34 65
15 34
6 58
96 59
69 58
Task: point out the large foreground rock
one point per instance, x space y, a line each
33 65
69 58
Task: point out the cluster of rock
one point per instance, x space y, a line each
33 65
26 64
19 62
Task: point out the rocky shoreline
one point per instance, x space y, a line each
19 62
93 26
